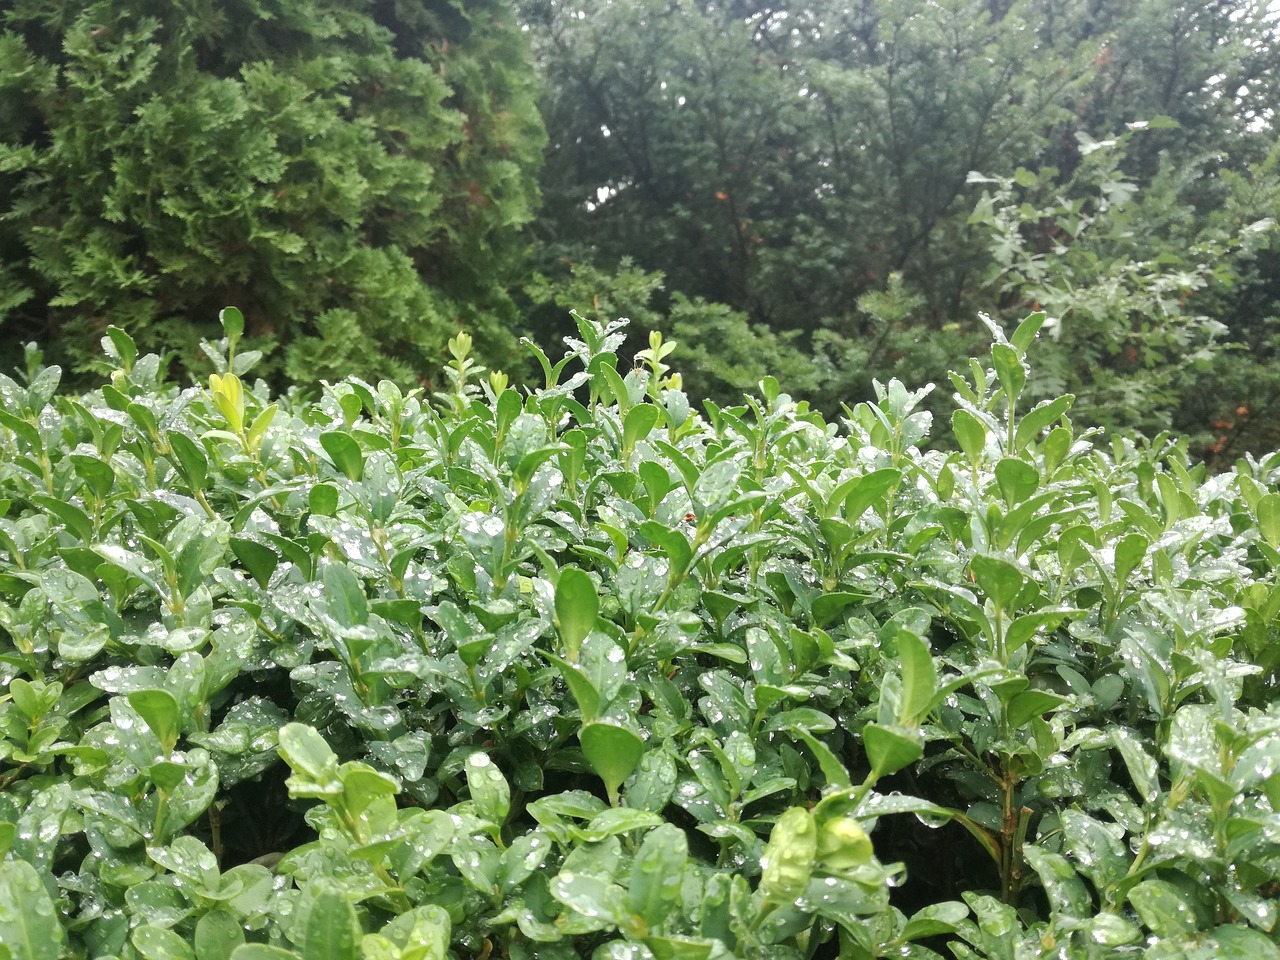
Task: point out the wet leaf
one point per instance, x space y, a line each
612 751
489 789
577 607
157 943
891 748
325 926
787 862
29 925
344 451
655 889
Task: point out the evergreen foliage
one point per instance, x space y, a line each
355 171
788 158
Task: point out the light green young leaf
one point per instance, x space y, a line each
919 677
787 863
489 789
577 607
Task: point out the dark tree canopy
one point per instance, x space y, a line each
809 163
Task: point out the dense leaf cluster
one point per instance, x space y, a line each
859 179
576 671
355 171
822 191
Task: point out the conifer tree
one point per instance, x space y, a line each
348 172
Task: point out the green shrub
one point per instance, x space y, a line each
354 171
722 354
574 671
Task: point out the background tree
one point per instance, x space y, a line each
351 174
787 159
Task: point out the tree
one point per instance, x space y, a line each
796 161
351 174
785 158
1135 281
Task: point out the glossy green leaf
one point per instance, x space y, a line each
832 769
577 607
232 321
970 433
1031 703
260 951
1227 942
123 345
612 751
159 710
891 748
787 862
1130 551
1044 414
591 896
858 494
325 924
73 518
1268 512
999 580
653 783
843 844
322 499
1017 480
506 410
344 596
307 752
638 424
490 791
1164 908
259 559
345 453
1142 767
1066 891
919 677
1025 333
935 919
189 860
30 699
673 543
29 924
580 686
191 459
218 933
158 943
1009 370
656 886
616 387
715 486
362 786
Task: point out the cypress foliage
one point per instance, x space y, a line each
346 171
